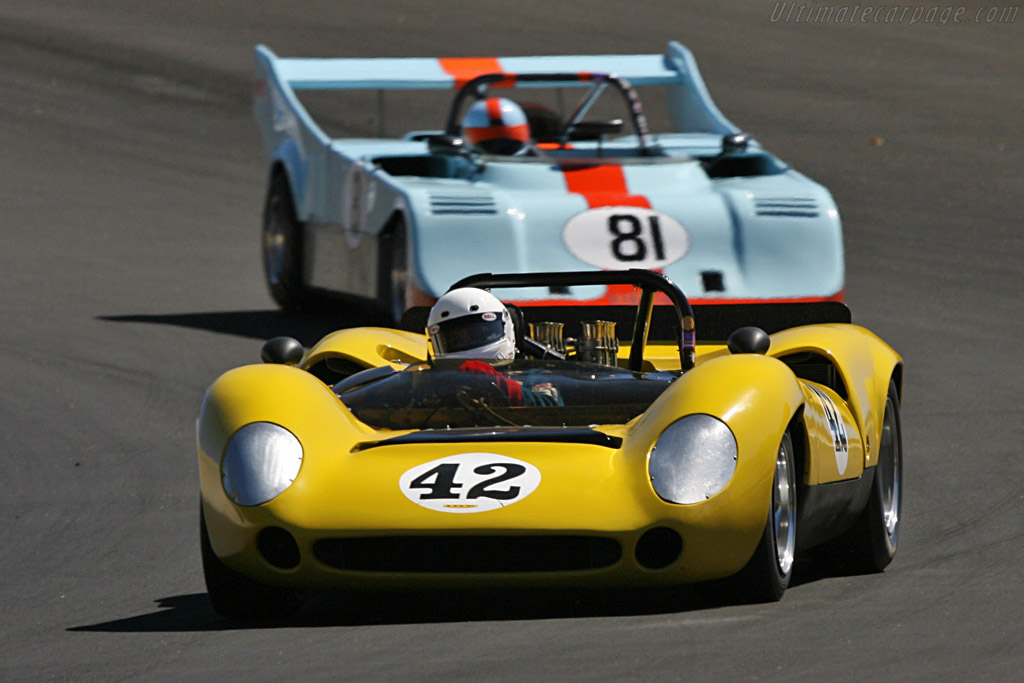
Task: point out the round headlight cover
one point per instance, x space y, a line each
261 461
693 459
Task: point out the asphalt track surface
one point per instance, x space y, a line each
131 179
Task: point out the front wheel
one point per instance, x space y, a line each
394 272
235 596
282 246
769 570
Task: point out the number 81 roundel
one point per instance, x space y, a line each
616 237
469 482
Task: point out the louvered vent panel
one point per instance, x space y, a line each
462 204
786 207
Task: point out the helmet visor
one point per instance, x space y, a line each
467 332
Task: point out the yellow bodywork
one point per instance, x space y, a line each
345 489
371 347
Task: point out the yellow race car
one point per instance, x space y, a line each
670 447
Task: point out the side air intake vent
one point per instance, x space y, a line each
786 207
462 205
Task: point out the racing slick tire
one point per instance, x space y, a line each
874 538
769 570
235 596
394 272
283 246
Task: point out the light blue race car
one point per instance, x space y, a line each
534 181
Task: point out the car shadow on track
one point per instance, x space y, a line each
184 613
192 612
307 327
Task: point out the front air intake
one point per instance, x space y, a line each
278 547
468 554
658 548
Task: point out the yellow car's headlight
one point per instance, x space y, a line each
261 461
693 459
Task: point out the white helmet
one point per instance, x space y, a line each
471 323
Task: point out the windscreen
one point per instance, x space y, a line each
457 394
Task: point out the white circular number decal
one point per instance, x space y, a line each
469 482
614 237
357 195
837 428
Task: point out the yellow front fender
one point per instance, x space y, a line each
282 395
757 397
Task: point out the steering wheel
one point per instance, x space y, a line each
534 349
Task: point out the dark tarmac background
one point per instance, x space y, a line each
131 183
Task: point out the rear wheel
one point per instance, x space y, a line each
282 246
235 596
767 574
874 538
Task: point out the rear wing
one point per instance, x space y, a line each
277 79
420 73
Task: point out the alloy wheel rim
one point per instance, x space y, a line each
889 470
399 281
274 244
784 513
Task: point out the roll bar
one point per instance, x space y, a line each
477 88
648 281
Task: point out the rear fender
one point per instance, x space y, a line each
286 159
864 362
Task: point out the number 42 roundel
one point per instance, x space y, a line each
469 482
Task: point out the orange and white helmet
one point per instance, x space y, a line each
471 323
496 125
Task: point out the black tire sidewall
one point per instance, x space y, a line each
289 291
761 580
393 254
235 596
882 545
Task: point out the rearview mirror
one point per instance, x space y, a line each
448 145
594 130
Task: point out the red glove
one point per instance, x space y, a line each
512 388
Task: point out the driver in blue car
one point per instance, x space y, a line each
473 325
497 125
